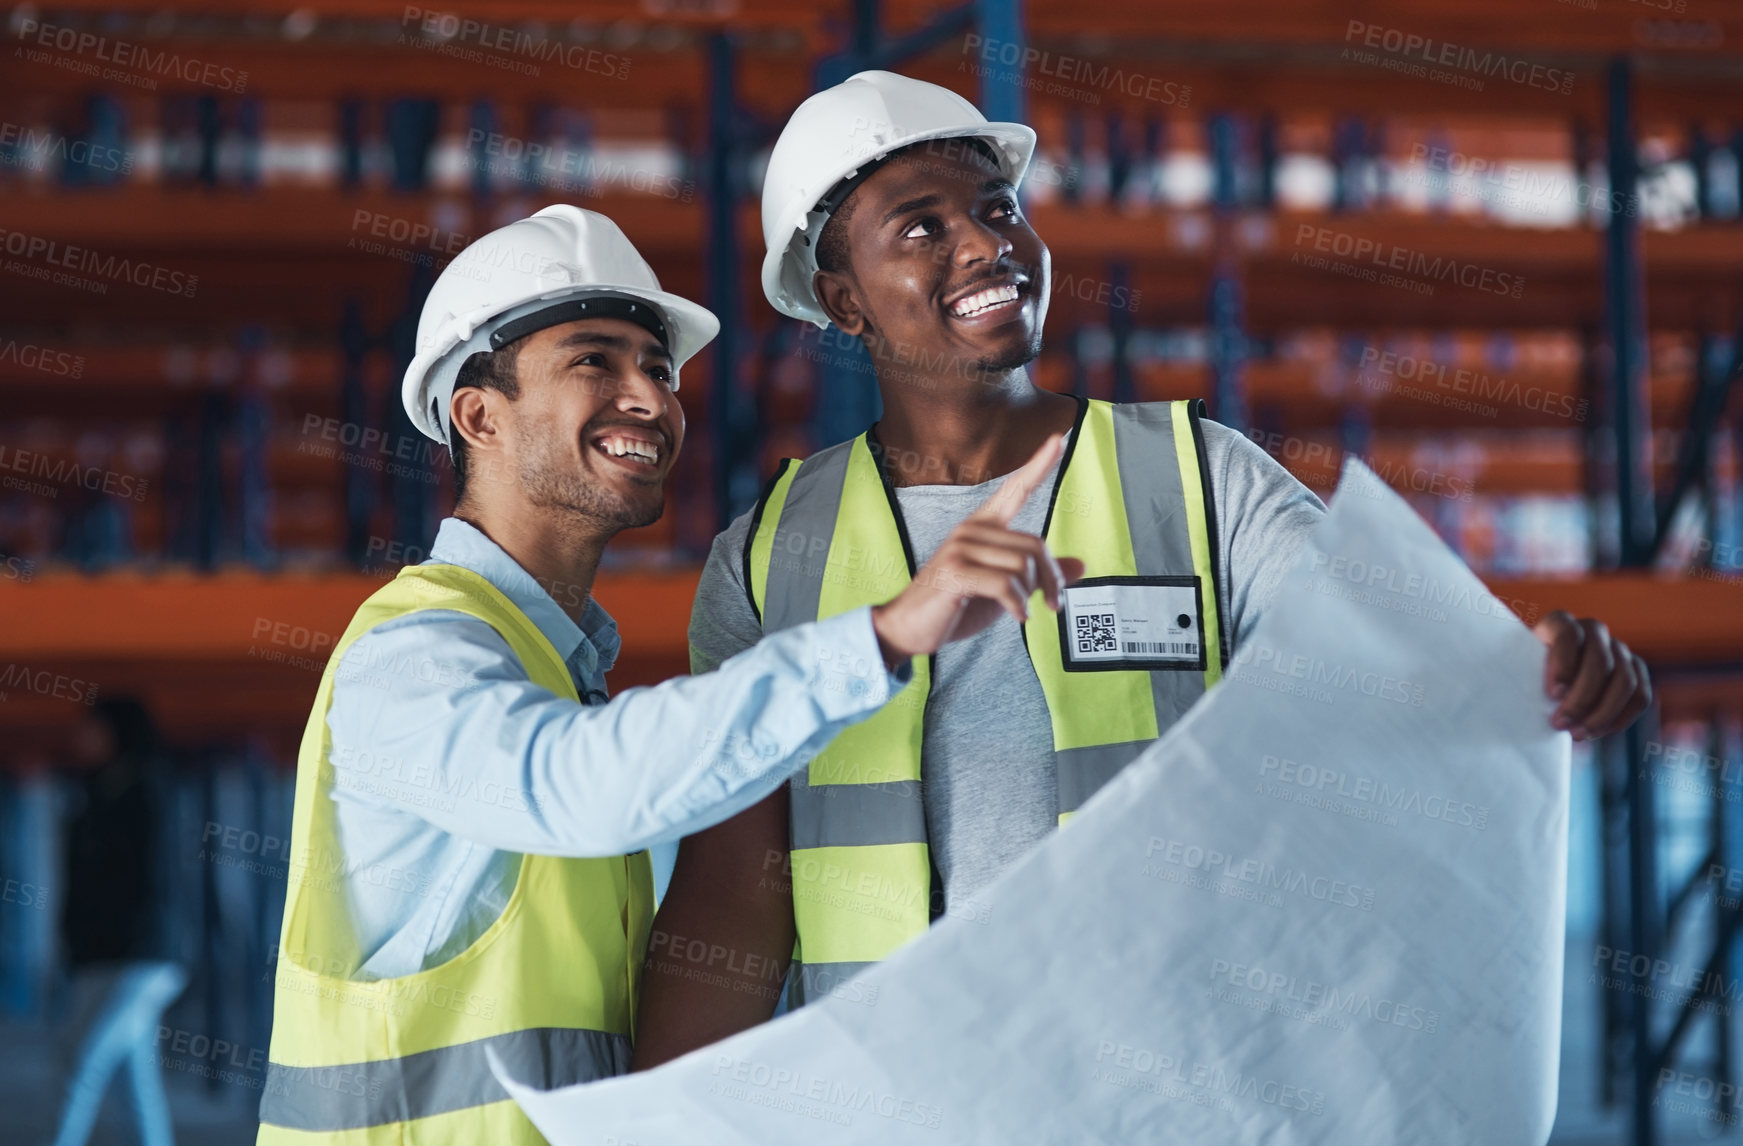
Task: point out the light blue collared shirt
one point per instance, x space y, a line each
449 763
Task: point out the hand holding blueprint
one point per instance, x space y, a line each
1327 907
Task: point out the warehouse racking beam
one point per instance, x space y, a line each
1707 406
1002 94
1228 339
179 639
1626 327
868 48
731 436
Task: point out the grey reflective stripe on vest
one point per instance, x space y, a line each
820 980
1150 482
856 815
1156 519
1083 771
325 1099
1149 468
828 815
802 536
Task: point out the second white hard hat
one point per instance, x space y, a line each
830 138
569 262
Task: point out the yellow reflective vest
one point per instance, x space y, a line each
550 987
1143 638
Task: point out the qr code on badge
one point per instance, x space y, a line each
1095 633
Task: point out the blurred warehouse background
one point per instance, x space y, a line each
1493 247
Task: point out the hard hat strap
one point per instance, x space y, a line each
629 309
836 195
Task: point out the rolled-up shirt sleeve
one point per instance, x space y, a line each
433 713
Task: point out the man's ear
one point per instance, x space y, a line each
472 416
840 301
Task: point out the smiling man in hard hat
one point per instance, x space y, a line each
890 209
467 875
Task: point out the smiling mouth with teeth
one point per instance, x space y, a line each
632 449
992 298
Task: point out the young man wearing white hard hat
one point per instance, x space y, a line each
890 209
468 874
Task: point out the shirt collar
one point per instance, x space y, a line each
594 642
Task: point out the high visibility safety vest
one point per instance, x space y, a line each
1133 500
550 987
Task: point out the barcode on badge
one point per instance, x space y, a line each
1169 648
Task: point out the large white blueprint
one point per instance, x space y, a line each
1326 908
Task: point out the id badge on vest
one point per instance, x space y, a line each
1153 624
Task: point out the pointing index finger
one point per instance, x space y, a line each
1014 491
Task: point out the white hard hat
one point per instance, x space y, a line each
561 264
831 137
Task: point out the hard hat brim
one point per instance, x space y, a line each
1015 143
690 325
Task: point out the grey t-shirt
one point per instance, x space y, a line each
989 785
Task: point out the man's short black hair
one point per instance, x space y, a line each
832 240
832 252
487 370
